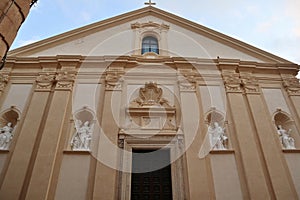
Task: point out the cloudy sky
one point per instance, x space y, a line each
272 25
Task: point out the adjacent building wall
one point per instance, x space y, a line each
12 15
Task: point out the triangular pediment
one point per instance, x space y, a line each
119 35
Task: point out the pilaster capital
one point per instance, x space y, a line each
250 84
187 82
232 82
114 79
65 80
44 82
3 81
292 85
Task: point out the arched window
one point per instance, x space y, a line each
150 44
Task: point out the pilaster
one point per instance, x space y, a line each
256 180
24 150
292 87
52 132
198 179
107 152
267 135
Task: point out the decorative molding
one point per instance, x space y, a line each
292 86
65 80
121 139
114 79
187 82
150 95
250 84
44 82
232 83
3 81
150 24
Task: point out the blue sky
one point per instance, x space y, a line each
272 25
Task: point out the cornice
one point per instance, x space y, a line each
132 61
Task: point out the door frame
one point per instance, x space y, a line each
172 141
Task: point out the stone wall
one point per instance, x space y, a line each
12 15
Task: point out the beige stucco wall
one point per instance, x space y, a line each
86 95
119 40
225 177
213 97
275 100
17 96
293 161
73 177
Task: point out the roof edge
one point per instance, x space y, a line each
193 26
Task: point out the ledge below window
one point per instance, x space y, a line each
291 150
226 151
84 152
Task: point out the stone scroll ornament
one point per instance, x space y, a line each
81 139
150 95
6 135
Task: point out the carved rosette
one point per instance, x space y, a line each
114 80
232 83
3 81
292 86
44 82
250 85
65 80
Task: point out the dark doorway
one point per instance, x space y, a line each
151 175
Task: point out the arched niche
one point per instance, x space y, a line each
11 115
214 115
84 114
284 121
83 126
216 130
8 121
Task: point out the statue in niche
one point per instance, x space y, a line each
287 141
218 139
81 140
6 135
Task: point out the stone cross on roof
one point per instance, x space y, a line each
150 3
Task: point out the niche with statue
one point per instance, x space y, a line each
83 130
216 131
8 123
286 130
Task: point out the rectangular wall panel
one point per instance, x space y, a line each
73 177
225 177
293 161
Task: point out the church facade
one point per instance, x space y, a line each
148 105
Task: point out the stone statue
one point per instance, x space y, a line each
6 136
81 140
285 137
218 139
